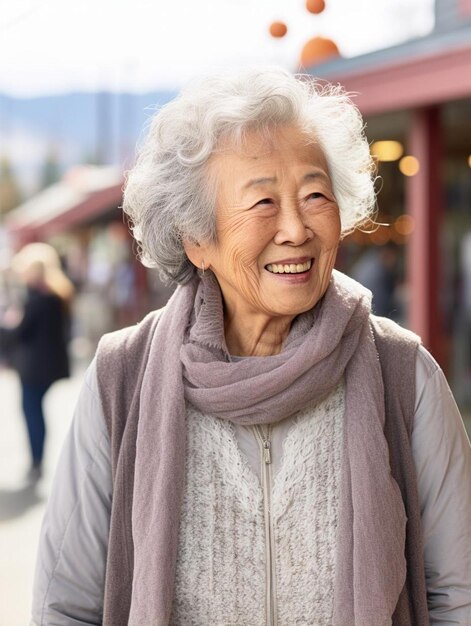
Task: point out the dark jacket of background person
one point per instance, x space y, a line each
38 345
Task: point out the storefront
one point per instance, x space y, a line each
416 97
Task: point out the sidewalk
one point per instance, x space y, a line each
21 505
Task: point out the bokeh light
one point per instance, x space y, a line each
404 225
315 6
409 165
318 50
278 29
387 150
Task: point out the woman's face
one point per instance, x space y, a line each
32 274
278 225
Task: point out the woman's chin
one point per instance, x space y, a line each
292 299
291 306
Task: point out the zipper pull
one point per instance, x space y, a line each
266 451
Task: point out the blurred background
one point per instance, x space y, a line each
78 85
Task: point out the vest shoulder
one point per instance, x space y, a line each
120 359
391 333
397 350
120 343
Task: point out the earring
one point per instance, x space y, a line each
202 267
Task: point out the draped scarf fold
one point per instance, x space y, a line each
332 341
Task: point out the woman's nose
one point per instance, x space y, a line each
291 228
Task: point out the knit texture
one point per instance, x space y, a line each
305 508
221 573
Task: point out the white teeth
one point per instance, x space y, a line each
291 268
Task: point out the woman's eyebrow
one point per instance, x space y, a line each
316 174
260 181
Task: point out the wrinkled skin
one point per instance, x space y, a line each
290 215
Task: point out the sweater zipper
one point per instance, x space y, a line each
266 467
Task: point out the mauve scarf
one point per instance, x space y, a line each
188 362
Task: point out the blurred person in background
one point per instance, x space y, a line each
378 271
262 450
37 336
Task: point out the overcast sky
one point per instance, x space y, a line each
51 46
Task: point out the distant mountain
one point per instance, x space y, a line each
95 127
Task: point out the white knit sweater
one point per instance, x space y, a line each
221 566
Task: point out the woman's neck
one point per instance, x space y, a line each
256 335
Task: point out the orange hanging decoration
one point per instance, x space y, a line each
318 50
278 29
315 6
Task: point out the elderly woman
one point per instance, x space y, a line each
263 450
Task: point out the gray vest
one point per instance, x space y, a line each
121 361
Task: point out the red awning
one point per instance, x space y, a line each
84 195
409 83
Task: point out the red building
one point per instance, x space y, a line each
419 95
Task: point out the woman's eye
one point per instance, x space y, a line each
315 195
265 201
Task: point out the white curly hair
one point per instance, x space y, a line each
168 196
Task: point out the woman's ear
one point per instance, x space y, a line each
194 251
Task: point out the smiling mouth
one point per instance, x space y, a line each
289 268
